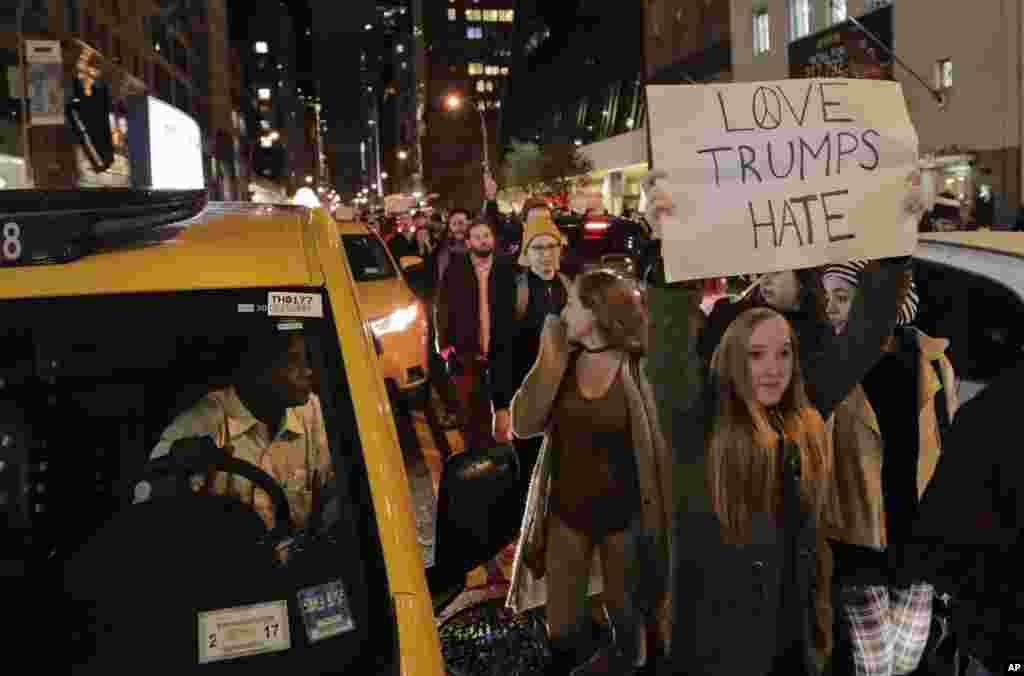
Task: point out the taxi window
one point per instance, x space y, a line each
90 386
368 258
982 318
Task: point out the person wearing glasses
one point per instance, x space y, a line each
541 290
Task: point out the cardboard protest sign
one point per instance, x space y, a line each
769 176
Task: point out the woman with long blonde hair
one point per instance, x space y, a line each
769 463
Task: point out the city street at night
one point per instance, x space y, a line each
511 337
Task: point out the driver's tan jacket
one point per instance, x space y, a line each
291 458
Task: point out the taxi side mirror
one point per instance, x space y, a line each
479 511
406 262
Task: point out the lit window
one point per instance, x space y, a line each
944 74
762 32
476 69
800 18
261 47
400 49
838 11
497 104
263 93
264 124
452 14
491 15
405 65
490 86
508 15
504 70
480 86
492 70
475 33
473 15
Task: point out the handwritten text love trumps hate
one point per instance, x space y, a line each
783 175
768 159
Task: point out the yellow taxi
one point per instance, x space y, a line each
118 310
396 317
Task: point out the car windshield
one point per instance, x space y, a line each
368 258
93 387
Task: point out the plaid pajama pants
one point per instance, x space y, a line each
887 627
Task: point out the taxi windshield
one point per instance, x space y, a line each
368 258
93 389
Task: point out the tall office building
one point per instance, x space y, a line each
276 121
175 51
340 36
471 48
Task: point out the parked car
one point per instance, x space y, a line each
971 286
602 241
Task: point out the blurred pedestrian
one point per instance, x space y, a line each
453 243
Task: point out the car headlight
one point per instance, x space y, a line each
397 321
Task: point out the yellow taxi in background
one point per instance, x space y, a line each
395 315
118 310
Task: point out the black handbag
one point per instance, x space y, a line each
193 581
476 515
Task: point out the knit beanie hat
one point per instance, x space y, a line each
540 224
849 272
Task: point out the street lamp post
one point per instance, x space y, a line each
454 102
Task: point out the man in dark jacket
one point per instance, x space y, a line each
541 290
969 536
474 309
403 243
452 245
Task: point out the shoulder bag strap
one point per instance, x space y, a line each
522 295
941 407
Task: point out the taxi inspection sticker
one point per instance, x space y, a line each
292 304
325 611
243 631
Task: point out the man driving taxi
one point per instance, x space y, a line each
270 418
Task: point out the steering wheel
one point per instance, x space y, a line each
196 455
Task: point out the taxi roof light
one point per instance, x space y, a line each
59 226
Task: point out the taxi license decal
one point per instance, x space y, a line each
246 630
325 611
289 304
289 326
